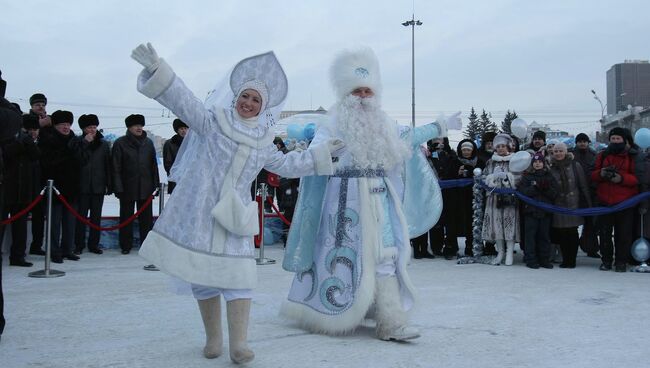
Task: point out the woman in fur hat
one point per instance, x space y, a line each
501 221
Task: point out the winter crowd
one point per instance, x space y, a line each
573 179
85 168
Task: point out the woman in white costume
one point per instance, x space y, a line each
205 234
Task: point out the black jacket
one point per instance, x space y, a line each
540 186
95 159
60 161
170 150
135 168
20 157
10 122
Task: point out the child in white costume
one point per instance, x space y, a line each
205 234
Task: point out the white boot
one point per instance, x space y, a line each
500 251
238 312
510 248
211 315
390 317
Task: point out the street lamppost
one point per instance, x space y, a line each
602 107
412 23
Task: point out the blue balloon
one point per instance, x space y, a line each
295 131
642 138
309 131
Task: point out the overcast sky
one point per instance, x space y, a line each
539 58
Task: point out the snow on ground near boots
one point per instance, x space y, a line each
108 312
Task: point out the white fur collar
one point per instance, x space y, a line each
498 158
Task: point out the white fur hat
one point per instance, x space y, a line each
352 69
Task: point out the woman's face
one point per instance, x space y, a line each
502 150
249 103
467 152
559 154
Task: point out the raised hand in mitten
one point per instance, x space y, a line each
147 56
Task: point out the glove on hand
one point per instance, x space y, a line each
336 147
146 56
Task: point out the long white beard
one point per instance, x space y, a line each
370 136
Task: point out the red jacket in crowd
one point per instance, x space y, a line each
612 193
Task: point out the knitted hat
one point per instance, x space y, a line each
540 135
582 137
30 121
36 98
620 132
177 124
88 120
134 119
62 116
538 156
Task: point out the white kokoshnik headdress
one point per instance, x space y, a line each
262 73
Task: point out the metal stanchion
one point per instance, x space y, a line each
47 272
261 260
161 206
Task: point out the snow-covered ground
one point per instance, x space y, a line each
108 312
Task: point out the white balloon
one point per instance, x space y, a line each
519 128
519 161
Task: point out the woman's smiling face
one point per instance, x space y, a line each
249 103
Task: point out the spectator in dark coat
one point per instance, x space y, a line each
170 150
572 191
614 173
135 177
486 150
538 142
19 157
95 180
463 168
585 156
538 184
61 163
9 125
38 103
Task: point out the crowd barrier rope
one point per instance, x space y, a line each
25 210
86 221
590 211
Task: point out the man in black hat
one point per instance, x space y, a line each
617 181
170 149
135 177
60 162
538 142
19 155
95 180
585 156
485 151
38 102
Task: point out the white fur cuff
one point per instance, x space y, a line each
153 85
322 159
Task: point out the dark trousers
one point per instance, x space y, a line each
94 204
537 249
18 232
38 225
2 298
62 229
622 223
588 238
145 222
568 240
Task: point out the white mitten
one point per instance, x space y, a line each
501 175
454 122
336 147
147 56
